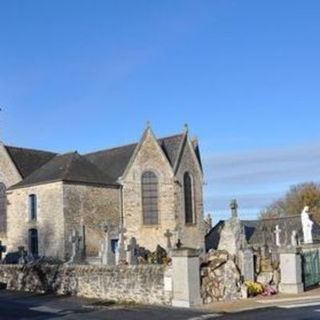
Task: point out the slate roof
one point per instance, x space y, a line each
114 161
71 167
101 167
28 160
260 232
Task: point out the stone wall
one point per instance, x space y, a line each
220 278
149 157
61 207
91 206
170 200
49 222
192 235
9 176
141 284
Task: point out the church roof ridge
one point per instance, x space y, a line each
130 144
28 149
28 160
68 167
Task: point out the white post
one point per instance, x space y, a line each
291 271
186 278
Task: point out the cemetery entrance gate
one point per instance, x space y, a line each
311 268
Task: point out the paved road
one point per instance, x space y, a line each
19 306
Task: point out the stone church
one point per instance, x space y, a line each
149 189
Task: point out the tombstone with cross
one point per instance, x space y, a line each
132 250
75 240
108 256
277 232
168 234
2 249
121 250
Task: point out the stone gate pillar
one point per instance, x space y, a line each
291 271
186 278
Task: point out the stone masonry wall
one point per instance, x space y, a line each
142 284
220 278
49 221
9 176
192 235
92 206
150 157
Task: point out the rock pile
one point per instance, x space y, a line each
220 277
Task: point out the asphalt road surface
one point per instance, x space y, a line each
19 306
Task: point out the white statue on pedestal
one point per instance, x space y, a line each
307 224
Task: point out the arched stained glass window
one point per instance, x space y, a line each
33 207
149 185
188 198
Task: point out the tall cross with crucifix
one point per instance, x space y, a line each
108 256
75 239
122 250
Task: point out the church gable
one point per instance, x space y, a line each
9 174
28 160
148 155
189 157
189 190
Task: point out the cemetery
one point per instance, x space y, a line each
139 234
236 267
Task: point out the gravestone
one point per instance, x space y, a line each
265 260
108 256
132 250
247 264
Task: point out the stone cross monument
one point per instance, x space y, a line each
108 256
75 240
168 235
121 254
234 208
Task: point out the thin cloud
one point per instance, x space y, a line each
264 166
258 177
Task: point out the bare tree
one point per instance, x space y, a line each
298 196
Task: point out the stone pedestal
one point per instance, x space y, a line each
186 278
291 271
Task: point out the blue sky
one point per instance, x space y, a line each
243 74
